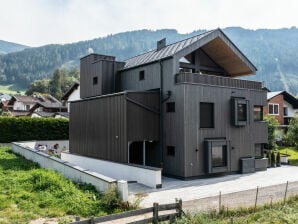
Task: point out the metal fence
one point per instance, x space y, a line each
248 198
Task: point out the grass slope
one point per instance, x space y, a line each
29 192
278 213
12 89
293 158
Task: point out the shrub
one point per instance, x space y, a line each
272 123
26 128
273 159
292 134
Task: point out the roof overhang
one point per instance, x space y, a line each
224 52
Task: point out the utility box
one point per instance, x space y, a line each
247 165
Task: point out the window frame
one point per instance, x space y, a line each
235 111
262 112
213 115
273 109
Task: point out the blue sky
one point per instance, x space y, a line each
40 22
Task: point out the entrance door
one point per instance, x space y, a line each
136 155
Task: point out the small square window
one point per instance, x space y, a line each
170 150
171 107
258 113
95 80
142 75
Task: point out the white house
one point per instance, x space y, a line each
72 94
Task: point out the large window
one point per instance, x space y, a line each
273 109
239 110
219 156
206 115
258 113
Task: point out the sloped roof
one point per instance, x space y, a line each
165 52
71 89
287 97
273 94
25 99
214 43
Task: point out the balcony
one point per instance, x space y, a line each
213 80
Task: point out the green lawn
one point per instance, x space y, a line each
29 192
12 89
293 158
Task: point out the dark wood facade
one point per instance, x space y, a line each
103 126
189 73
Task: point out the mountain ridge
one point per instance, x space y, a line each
9 47
273 52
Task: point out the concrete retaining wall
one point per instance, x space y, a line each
69 170
148 176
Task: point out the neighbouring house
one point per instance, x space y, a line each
72 94
4 97
282 106
35 106
20 105
178 107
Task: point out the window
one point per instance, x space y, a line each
27 107
142 75
95 80
258 113
259 150
171 107
206 115
273 109
239 111
170 150
286 111
219 156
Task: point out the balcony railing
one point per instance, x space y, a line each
214 80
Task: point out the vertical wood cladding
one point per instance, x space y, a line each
100 67
101 127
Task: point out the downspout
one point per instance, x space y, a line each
161 113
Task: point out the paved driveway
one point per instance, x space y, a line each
209 187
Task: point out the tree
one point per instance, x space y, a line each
292 134
272 123
38 86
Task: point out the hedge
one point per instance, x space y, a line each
26 128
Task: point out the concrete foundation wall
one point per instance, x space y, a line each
69 170
148 176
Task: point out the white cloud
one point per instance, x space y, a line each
39 22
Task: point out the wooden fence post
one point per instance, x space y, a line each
286 191
92 220
179 207
256 199
155 213
219 202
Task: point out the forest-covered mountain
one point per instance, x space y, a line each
274 52
9 47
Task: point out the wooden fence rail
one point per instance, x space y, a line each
156 218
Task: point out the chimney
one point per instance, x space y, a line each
161 44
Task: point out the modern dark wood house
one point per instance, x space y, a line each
178 107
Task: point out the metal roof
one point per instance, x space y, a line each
165 52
